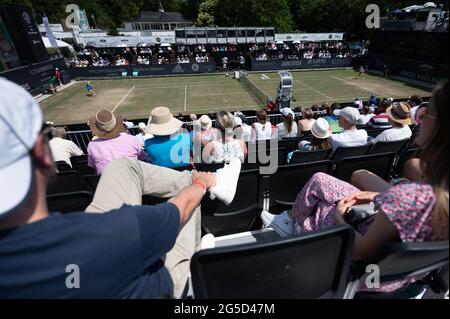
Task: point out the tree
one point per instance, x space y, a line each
206 13
246 13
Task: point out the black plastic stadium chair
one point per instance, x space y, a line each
92 181
314 265
290 143
258 159
68 181
401 261
309 156
62 166
349 151
80 164
379 164
289 180
220 219
388 147
69 202
404 157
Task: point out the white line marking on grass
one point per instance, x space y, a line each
358 86
219 94
181 84
185 97
312 89
125 96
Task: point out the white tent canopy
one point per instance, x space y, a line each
61 44
412 8
430 5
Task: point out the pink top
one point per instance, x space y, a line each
409 207
102 151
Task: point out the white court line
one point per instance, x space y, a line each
329 98
219 94
125 96
185 97
177 86
358 86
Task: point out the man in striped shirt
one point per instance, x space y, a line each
381 120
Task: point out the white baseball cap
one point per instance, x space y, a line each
286 111
237 121
21 122
351 114
142 125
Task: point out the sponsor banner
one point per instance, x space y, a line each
300 64
119 41
312 37
84 22
143 70
49 32
411 69
34 78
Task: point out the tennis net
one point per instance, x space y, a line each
259 96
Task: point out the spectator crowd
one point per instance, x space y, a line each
166 53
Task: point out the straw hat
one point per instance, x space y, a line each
400 113
162 122
106 125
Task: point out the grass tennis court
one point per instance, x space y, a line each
135 98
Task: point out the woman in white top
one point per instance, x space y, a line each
226 147
142 136
207 133
367 112
287 128
262 130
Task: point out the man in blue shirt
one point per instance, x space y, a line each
90 89
169 147
131 251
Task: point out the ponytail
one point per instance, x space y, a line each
289 120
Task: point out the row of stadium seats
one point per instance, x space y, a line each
71 191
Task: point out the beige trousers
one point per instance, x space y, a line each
125 180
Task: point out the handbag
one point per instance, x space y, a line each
359 214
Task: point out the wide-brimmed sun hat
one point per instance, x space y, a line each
400 113
321 128
106 125
162 122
